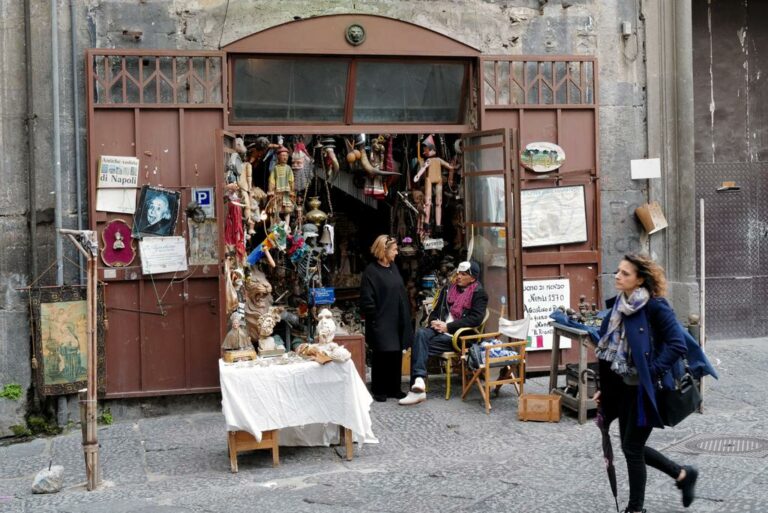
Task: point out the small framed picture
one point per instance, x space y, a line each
156 212
59 317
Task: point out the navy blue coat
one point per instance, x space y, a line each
656 341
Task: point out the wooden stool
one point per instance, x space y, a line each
241 441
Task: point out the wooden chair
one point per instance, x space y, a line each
448 358
512 367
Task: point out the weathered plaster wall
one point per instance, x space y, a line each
14 240
589 27
730 66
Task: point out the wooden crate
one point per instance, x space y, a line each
539 407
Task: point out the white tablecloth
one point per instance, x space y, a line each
303 395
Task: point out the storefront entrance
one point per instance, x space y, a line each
179 114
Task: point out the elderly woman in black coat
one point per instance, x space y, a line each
388 330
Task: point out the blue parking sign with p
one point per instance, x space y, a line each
204 198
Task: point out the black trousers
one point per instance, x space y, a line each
619 400
386 371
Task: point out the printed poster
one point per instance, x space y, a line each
541 297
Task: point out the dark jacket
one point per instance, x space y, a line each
656 341
470 317
384 302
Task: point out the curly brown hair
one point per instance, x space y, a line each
651 273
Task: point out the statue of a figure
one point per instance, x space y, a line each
258 300
266 325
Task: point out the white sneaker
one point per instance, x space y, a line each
419 386
413 398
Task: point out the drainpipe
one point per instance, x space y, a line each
30 122
62 400
76 115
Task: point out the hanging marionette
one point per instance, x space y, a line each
433 167
301 164
281 184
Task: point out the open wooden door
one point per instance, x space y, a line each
225 147
492 218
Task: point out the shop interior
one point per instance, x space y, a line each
302 212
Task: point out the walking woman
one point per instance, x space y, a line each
639 343
388 330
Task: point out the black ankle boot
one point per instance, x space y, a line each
688 485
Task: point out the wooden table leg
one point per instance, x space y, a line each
346 436
555 356
582 384
232 444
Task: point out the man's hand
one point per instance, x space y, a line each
596 397
439 326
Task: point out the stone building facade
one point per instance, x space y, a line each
642 114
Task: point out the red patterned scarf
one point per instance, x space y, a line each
460 300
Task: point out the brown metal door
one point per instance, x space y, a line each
163 330
552 99
492 221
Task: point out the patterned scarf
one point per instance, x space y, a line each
460 300
613 346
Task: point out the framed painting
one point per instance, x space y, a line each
60 320
156 212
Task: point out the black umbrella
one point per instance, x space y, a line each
608 454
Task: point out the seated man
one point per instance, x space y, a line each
462 305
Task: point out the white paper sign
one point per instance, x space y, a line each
118 172
645 168
116 200
162 255
541 297
553 215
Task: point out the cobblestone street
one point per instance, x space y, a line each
445 456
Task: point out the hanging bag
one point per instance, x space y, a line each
677 403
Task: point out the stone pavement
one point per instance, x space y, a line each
446 456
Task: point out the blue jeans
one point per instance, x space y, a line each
426 343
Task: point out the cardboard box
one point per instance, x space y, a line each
651 216
539 407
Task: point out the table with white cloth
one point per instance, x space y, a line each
309 403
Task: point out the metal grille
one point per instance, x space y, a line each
121 78
736 236
725 445
510 80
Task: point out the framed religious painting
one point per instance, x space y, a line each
60 323
156 212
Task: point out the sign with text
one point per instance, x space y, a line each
118 172
323 296
541 297
163 255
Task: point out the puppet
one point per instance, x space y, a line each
433 167
281 185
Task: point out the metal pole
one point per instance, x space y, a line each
76 116
703 294
56 141
62 413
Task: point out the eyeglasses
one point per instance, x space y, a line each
390 240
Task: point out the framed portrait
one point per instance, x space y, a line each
60 320
156 212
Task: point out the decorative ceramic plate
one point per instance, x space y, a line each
542 157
